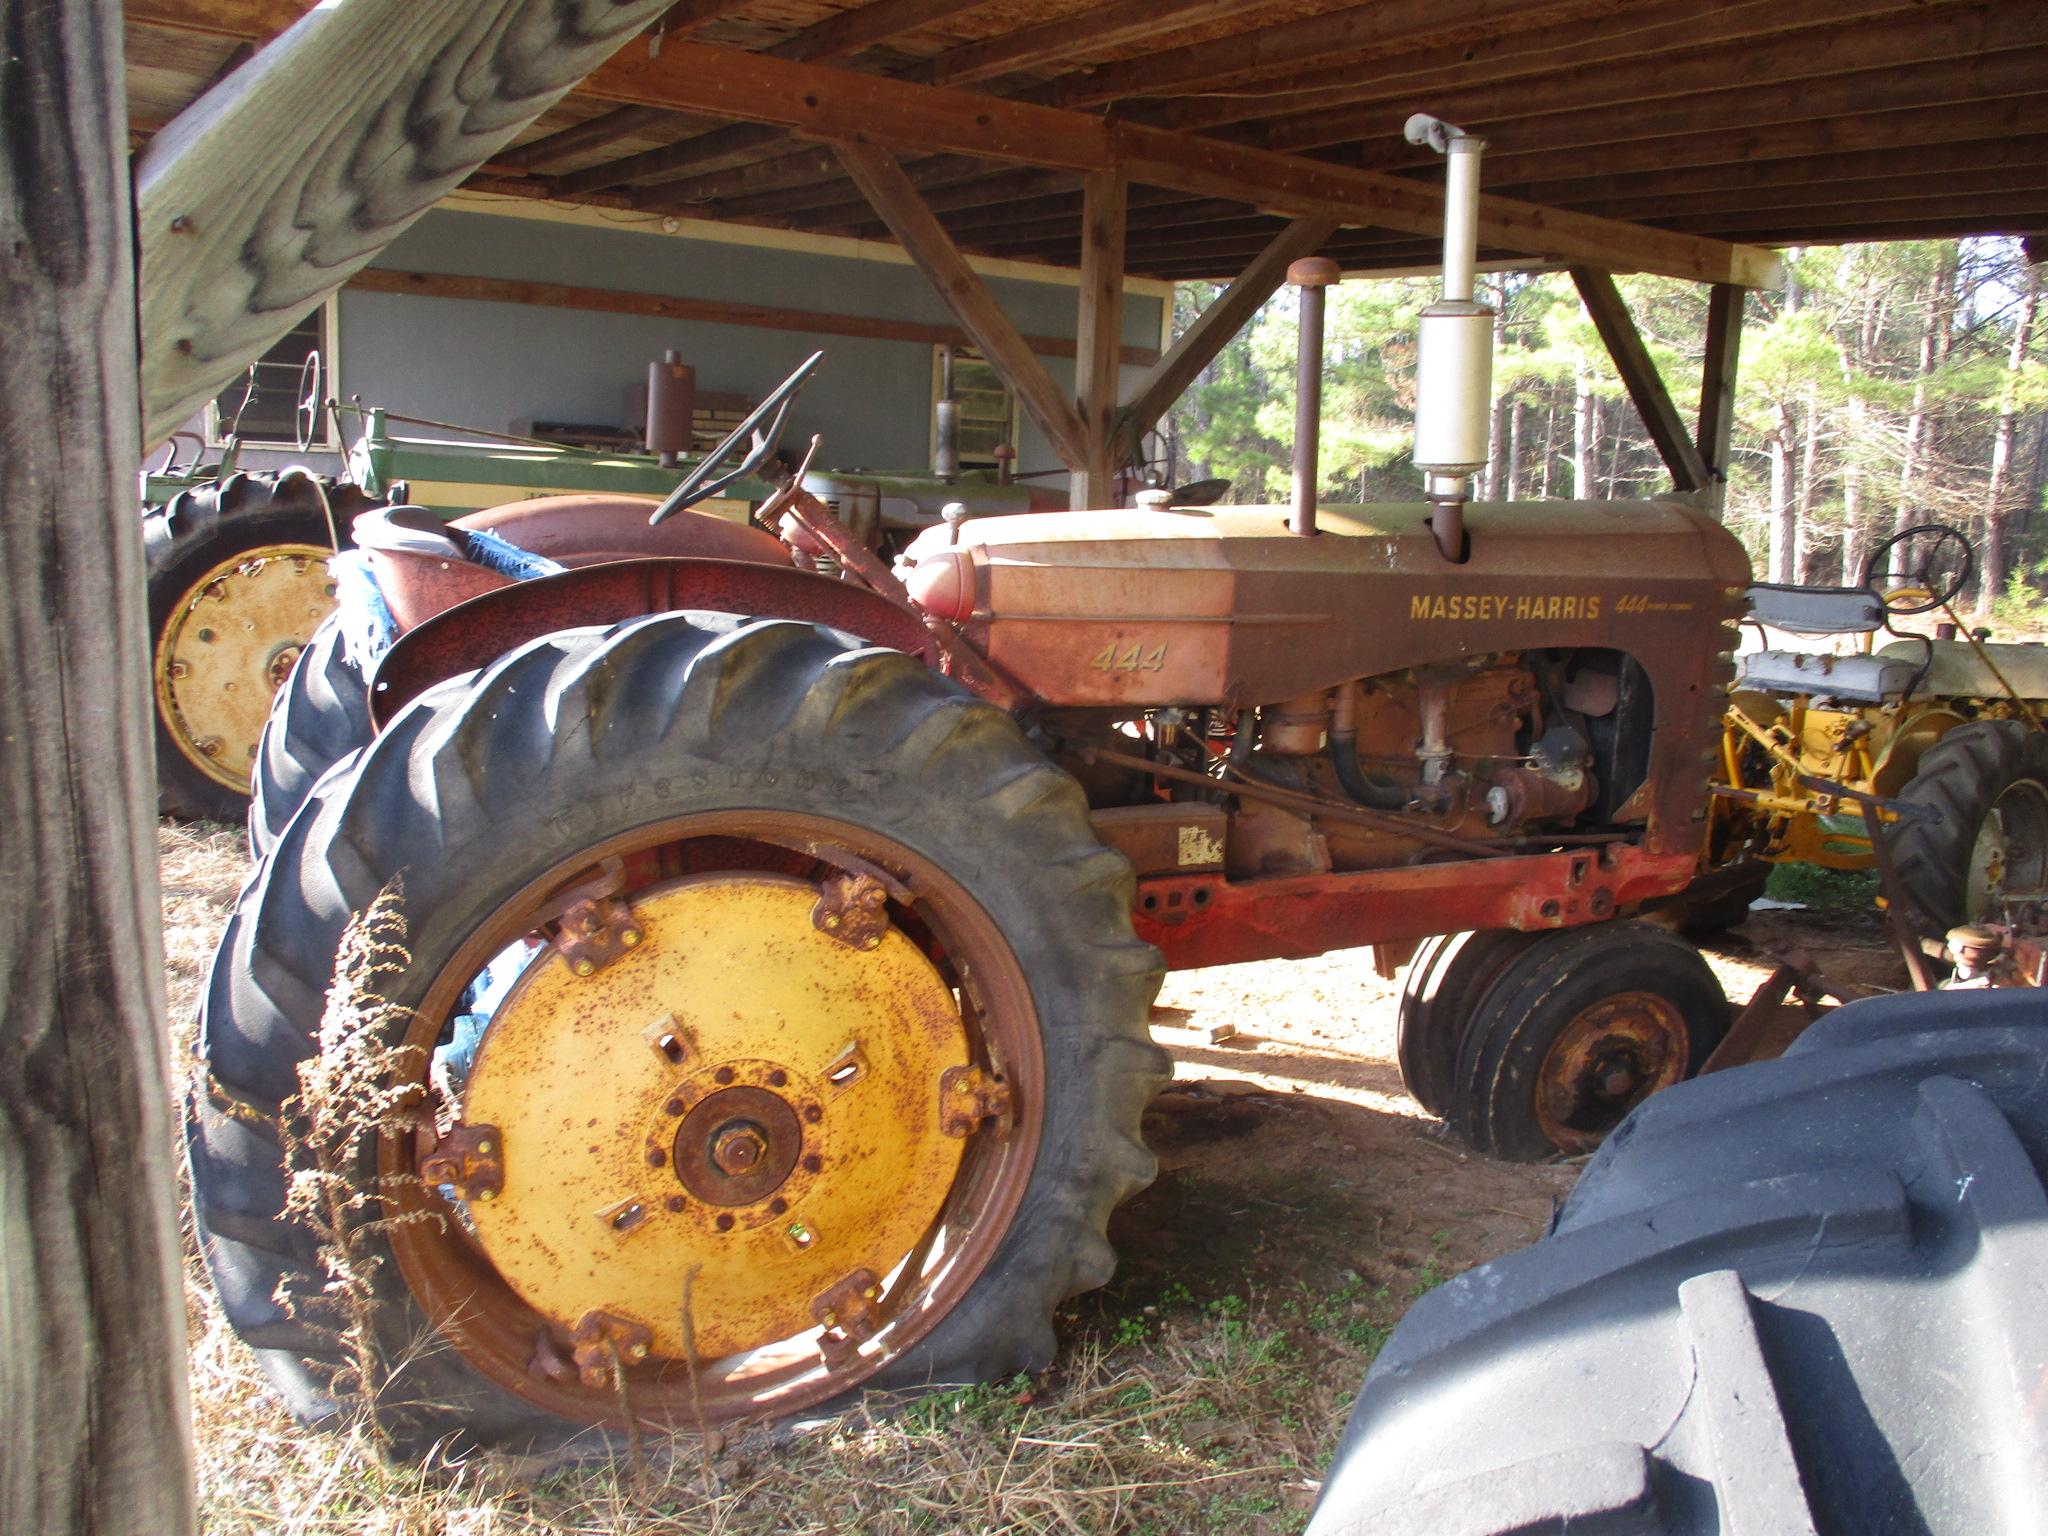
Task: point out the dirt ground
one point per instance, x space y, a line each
1303 1201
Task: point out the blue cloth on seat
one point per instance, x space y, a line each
367 628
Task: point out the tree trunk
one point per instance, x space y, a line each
92 1333
1549 449
1784 510
1585 432
1499 409
1513 487
1808 536
1933 351
1992 553
1852 499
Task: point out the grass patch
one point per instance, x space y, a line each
1843 892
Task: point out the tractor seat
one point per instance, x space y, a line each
1817 610
422 565
1857 679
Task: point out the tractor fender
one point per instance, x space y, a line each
476 632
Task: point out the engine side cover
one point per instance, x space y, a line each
1225 606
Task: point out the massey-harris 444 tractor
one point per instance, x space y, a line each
770 1016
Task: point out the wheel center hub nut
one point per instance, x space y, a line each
737 1146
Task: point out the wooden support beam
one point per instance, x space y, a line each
841 104
1640 377
1099 338
1380 29
1224 318
917 229
662 306
1066 40
92 1336
1717 390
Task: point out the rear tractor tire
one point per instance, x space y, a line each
1577 1028
237 583
1988 781
810 1060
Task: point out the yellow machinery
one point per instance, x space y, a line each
1945 731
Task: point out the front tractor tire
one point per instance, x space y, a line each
1987 782
824 1076
1573 1031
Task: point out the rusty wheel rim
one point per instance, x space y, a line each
229 645
1607 1059
607 1367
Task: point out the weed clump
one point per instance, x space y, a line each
355 1089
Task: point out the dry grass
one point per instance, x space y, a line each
1191 1396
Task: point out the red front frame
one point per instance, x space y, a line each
1200 920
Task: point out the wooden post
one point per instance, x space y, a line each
92 1329
1717 390
1105 202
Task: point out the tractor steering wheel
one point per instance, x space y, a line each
1924 568
698 485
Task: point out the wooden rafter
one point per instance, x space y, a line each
1377 29
918 230
1065 38
839 104
1640 377
1947 83
1625 41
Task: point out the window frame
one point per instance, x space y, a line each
328 440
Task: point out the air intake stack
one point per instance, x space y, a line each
1454 366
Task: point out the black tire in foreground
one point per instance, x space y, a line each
1988 783
1574 1030
710 765
320 716
237 584
1808 1295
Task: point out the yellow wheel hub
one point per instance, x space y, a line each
228 647
729 1135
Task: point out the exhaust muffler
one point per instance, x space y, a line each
1454 363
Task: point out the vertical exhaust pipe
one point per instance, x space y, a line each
1454 365
946 423
1311 274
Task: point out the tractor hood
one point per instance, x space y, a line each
1224 605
